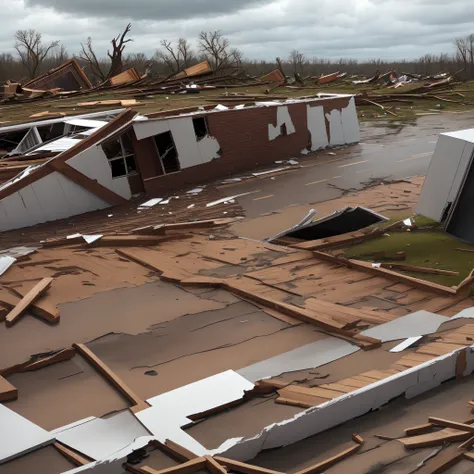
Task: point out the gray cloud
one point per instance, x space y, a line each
147 9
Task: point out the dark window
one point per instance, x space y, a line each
50 132
119 152
200 127
167 152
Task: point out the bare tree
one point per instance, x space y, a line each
88 55
297 60
31 50
118 45
139 61
176 58
217 50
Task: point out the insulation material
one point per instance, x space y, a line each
283 119
18 435
99 438
410 383
310 356
151 202
6 263
406 344
317 127
336 131
420 323
169 411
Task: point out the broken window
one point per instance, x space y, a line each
200 127
52 131
167 152
119 152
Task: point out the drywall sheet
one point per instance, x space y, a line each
309 356
317 127
350 123
99 438
410 383
336 132
6 263
411 325
283 118
444 176
19 435
406 344
169 411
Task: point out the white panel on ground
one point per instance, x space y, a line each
283 118
438 185
169 411
149 128
5 263
309 356
350 123
208 148
411 325
406 344
185 140
317 127
100 438
315 420
19 435
336 133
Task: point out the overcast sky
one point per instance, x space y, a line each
262 29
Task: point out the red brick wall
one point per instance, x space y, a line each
243 138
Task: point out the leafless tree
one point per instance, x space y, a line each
118 45
116 57
297 60
172 56
140 61
217 50
88 55
31 50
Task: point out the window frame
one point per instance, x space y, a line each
122 158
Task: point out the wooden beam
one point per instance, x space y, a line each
451 424
213 466
27 300
43 309
7 391
85 182
185 468
467 444
178 451
417 430
322 466
244 468
358 438
469 456
114 379
447 458
76 458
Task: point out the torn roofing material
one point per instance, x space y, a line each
340 222
310 356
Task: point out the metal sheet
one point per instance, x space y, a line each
411 325
310 356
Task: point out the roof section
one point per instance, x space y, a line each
69 76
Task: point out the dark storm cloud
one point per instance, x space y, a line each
157 10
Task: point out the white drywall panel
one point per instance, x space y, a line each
406 344
208 148
444 166
350 123
32 204
410 383
466 135
16 213
283 118
309 356
461 171
5 263
170 411
51 197
317 127
19 435
150 128
419 323
336 133
185 140
99 438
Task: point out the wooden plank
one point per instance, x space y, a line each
296 403
243 468
186 468
357 438
450 424
42 308
178 451
135 240
447 458
307 399
409 268
114 379
461 364
437 438
213 466
322 466
417 430
352 382
439 348
313 392
338 387
398 277
76 458
469 456
28 299
467 444
7 391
